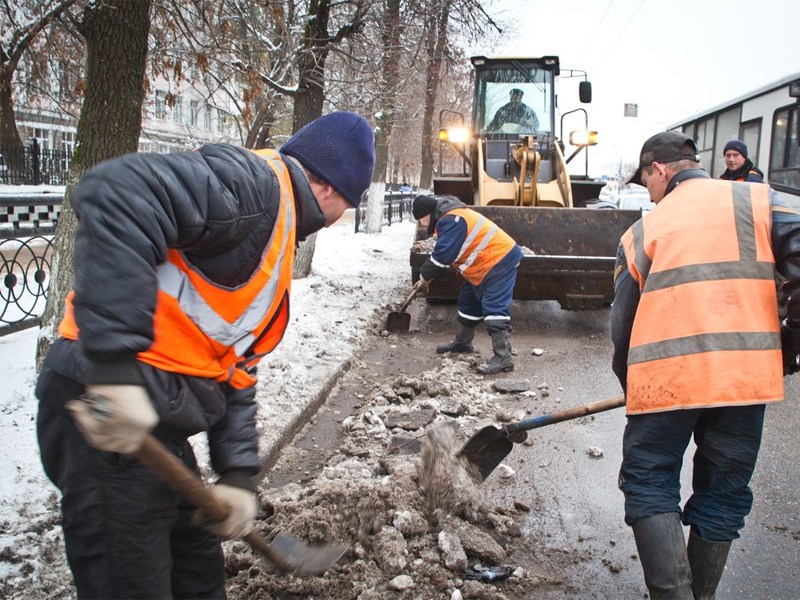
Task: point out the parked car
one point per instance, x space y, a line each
635 198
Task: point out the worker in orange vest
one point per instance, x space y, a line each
182 284
699 349
487 258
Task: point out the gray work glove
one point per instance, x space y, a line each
422 285
242 504
114 417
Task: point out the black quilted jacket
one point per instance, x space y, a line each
218 205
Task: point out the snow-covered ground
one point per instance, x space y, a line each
356 279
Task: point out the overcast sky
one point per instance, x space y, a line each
674 59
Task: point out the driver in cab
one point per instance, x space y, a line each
515 112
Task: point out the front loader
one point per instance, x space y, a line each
511 167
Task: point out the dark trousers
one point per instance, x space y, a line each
492 298
127 535
728 440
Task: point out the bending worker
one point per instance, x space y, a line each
487 258
699 349
183 273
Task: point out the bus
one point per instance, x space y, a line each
767 121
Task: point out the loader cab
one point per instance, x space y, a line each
514 104
514 97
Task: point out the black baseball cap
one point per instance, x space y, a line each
664 147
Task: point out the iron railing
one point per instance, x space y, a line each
396 207
31 165
27 225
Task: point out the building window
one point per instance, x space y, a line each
220 121
161 105
193 109
207 118
784 166
177 110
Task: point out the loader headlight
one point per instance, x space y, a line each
583 138
454 135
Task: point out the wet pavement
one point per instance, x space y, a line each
574 535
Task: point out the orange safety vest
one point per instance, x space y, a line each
206 330
706 331
485 245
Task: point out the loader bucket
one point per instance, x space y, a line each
570 254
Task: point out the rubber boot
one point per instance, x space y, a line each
662 552
501 361
462 342
707 561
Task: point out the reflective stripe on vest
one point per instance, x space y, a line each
485 245
206 330
706 332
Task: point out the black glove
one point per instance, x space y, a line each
790 346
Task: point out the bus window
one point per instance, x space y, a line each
784 165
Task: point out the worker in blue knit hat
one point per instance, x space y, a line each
183 274
738 165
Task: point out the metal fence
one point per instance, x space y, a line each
31 165
396 207
27 225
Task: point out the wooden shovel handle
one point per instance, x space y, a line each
566 415
181 479
411 296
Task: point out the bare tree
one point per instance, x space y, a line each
310 94
22 21
391 33
116 34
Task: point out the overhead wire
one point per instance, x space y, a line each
597 28
619 35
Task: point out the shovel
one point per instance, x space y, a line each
401 320
286 552
487 448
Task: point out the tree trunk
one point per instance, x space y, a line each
308 101
303 257
109 126
385 122
16 41
311 65
9 134
435 42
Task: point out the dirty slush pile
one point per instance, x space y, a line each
414 518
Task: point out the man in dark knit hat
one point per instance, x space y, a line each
487 258
739 166
182 283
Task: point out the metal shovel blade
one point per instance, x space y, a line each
398 321
304 559
401 320
285 552
486 449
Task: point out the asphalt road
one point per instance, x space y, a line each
575 534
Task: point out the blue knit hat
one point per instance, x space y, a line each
339 149
737 145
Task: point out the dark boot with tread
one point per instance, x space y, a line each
462 343
501 360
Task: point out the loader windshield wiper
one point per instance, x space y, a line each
526 74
